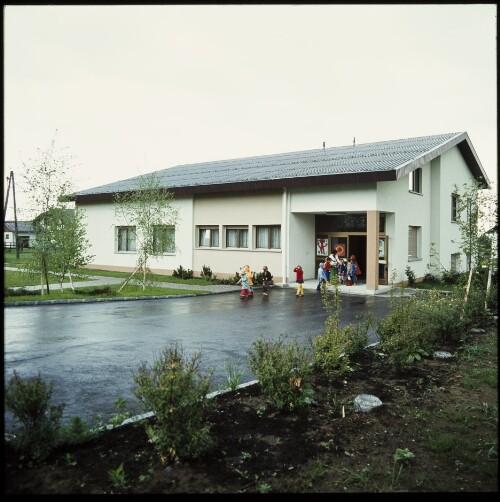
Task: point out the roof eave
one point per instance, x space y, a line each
259 185
464 144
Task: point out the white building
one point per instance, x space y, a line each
384 202
25 234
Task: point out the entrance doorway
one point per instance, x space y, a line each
357 247
351 244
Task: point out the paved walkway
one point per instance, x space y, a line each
309 284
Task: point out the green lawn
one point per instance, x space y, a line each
441 286
10 259
14 279
111 291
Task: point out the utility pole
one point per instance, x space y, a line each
11 182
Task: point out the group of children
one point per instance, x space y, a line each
347 271
246 281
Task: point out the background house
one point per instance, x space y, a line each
25 234
385 202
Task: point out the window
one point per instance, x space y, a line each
237 237
414 243
416 181
269 237
209 237
125 237
455 262
163 239
454 206
7 236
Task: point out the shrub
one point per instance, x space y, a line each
233 375
176 392
182 273
403 334
492 299
77 431
431 278
29 401
20 292
102 290
417 324
451 277
473 310
284 371
206 273
411 276
331 351
358 335
332 348
230 280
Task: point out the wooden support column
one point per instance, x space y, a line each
372 223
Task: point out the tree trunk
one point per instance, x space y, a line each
467 290
71 281
128 279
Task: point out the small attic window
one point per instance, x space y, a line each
415 181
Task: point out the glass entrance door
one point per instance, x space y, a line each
382 261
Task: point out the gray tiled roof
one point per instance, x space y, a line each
396 156
22 226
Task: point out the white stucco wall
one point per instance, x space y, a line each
454 171
101 221
301 246
333 198
407 209
250 210
431 211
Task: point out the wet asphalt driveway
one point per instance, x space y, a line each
90 351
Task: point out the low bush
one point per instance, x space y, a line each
410 274
40 422
182 273
404 334
104 290
331 351
284 371
20 292
206 273
452 277
176 392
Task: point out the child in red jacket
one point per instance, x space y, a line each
300 280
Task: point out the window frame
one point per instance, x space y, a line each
213 230
129 230
455 262
269 238
455 202
240 231
415 181
414 243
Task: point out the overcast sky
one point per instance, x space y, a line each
136 89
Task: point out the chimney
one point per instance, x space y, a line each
354 141
323 145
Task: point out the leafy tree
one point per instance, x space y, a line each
46 179
477 212
150 210
61 245
60 233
